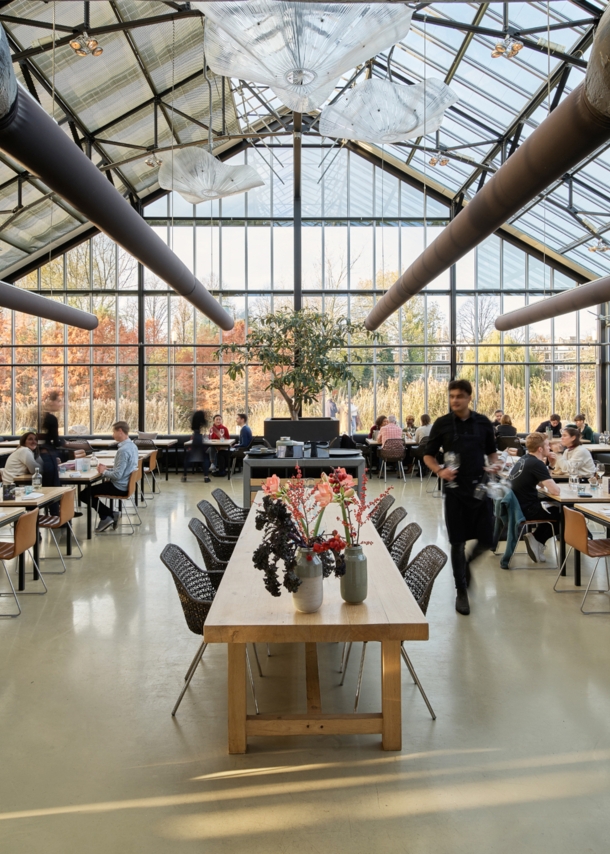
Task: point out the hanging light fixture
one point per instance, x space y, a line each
153 161
378 111
85 45
299 50
198 176
600 246
508 48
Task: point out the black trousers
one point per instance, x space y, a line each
459 560
89 496
553 514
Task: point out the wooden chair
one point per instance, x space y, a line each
150 466
24 538
576 536
134 478
53 523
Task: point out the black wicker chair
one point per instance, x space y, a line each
419 576
212 560
196 592
230 511
401 548
393 451
387 532
216 523
381 511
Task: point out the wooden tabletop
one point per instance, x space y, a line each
405 441
8 516
79 476
49 493
244 611
602 513
568 496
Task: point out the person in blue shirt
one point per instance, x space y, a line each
245 434
116 479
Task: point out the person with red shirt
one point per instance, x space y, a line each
219 455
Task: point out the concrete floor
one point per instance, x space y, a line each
91 760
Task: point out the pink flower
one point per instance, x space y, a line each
272 485
345 479
323 494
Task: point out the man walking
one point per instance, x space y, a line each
126 461
467 516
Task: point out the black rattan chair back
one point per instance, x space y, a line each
401 548
229 509
421 573
214 565
215 522
145 444
387 532
381 511
193 584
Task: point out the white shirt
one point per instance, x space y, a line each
21 461
422 433
582 458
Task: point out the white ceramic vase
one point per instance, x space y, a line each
310 594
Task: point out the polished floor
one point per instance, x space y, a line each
91 760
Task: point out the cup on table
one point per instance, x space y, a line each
19 493
28 489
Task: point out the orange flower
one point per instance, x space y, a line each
272 485
323 494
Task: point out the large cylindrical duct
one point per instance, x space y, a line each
18 299
584 296
579 125
33 139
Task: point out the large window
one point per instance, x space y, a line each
361 226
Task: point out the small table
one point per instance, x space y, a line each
568 498
286 468
80 479
49 495
244 612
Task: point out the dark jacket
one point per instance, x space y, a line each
508 515
542 428
506 430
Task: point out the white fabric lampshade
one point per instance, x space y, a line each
198 176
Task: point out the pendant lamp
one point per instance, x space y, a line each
198 176
299 50
18 299
378 111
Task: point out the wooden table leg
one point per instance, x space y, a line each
391 695
314 701
237 697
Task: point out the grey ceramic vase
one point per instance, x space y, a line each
310 594
354 584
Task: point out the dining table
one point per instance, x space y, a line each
43 496
244 612
569 497
79 479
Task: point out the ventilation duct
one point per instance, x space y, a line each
33 139
584 296
18 299
579 125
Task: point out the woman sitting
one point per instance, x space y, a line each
380 421
424 431
576 459
24 459
505 428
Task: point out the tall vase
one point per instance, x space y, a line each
308 597
354 584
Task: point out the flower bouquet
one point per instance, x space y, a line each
290 518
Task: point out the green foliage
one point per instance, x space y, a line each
302 352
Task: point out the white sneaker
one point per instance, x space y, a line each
541 554
213 467
533 547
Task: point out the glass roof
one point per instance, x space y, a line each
147 93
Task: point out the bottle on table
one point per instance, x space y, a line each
37 479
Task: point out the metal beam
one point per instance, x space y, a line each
297 240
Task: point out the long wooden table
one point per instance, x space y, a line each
244 612
568 498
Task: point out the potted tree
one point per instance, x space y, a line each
304 353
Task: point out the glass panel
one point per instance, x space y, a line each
488 264
157 414
6 402
128 402
79 401
283 259
104 399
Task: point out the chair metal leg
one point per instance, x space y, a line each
189 675
359 684
409 664
258 664
349 649
61 557
343 657
13 594
401 470
588 590
35 592
575 590
251 678
268 651
525 529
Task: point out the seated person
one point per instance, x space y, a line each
197 453
526 475
379 423
390 431
245 436
218 455
586 432
497 418
576 459
505 427
23 460
409 422
116 480
554 423
424 431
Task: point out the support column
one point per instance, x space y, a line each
298 283
141 349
